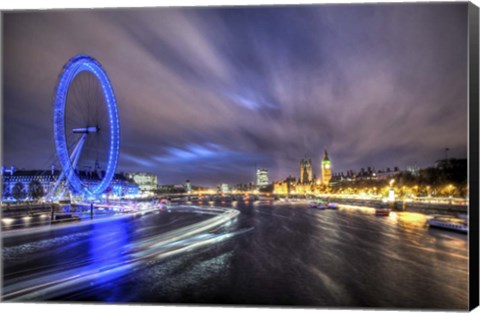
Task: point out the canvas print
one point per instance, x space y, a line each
302 155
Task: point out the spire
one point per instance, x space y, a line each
325 156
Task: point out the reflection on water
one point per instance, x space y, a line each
294 255
107 241
410 219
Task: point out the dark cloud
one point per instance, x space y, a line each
207 93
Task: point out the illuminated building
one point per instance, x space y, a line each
307 184
285 187
326 169
122 189
223 188
188 186
146 182
306 172
178 188
370 174
262 177
11 177
120 185
245 186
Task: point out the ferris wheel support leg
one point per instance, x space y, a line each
77 152
55 187
74 157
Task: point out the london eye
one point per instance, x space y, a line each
86 127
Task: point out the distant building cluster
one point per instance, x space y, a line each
261 183
187 187
223 188
251 186
262 177
147 182
367 173
20 184
307 182
17 184
122 186
448 177
177 188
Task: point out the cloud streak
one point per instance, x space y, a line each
220 89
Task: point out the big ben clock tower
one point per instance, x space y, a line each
326 169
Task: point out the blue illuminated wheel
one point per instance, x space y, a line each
86 126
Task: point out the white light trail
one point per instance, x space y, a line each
47 285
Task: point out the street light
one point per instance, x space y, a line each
391 192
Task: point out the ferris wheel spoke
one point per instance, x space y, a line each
86 97
97 102
77 101
91 101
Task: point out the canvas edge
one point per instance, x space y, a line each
473 70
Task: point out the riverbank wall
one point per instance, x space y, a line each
409 206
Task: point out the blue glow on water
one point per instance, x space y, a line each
107 249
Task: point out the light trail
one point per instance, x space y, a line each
131 211
50 227
47 285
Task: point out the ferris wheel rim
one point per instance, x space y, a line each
75 66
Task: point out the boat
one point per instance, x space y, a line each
332 206
449 223
163 204
382 212
317 204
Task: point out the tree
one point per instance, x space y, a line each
18 191
35 189
5 191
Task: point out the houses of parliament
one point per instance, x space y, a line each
307 182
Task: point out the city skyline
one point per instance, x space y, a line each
205 94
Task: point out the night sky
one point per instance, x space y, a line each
207 93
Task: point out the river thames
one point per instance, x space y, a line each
271 254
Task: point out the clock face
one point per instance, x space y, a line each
327 166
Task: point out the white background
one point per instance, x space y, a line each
83 308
